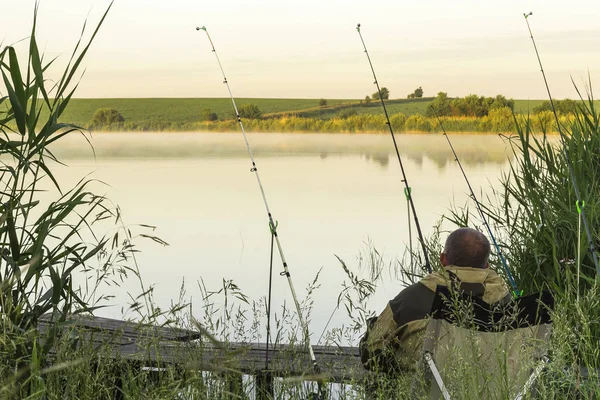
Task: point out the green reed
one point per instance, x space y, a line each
498 121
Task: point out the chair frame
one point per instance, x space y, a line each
433 330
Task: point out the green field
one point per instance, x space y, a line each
180 111
405 106
167 111
525 106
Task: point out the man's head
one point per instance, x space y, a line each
466 247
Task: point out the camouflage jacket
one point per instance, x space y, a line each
394 339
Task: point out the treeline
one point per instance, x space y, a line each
566 106
497 120
480 106
468 106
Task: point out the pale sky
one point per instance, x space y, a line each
308 48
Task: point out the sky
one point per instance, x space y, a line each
310 49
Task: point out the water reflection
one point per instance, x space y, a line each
378 148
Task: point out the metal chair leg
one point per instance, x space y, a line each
534 375
437 376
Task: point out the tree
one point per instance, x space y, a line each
385 94
566 106
440 106
545 106
471 106
322 103
208 115
418 93
106 117
479 106
367 100
250 111
501 102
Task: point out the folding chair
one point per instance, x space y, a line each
480 351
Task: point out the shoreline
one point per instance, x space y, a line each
366 133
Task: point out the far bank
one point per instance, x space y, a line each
471 114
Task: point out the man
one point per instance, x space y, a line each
394 339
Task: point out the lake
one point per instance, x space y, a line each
332 194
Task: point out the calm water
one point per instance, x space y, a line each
331 194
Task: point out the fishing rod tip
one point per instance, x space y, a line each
358 27
198 28
527 15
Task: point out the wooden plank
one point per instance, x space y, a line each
338 364
157 346
127 329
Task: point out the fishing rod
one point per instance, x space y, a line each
272 224
579 204
267 377
407 189
516 293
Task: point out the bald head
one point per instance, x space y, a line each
466 247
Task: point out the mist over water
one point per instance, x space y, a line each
332 194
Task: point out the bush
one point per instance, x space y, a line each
398 120
417 122
502 119
418 93
250 111
322 103
106 117
208 115
367 100
440 106
543 121
385 94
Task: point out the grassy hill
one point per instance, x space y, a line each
163 110
405 106
185 111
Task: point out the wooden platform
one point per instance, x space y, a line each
153 346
